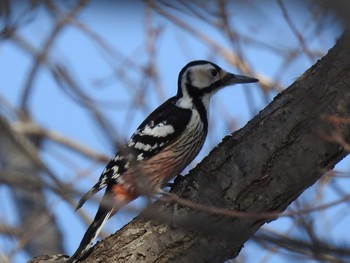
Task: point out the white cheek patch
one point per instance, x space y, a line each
200 79
160 130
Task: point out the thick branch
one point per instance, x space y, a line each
261 168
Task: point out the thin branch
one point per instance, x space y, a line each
295 31
171 198
40 57
33 129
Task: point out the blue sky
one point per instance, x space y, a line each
122 25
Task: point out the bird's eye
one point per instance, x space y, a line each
213 72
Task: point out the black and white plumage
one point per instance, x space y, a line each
161 147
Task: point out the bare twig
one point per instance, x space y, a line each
40 57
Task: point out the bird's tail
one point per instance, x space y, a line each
102 215
115 197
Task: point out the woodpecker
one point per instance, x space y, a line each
161 147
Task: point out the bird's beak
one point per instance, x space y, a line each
230 79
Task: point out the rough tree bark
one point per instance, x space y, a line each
260 168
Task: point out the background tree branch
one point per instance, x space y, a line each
260 168
22 168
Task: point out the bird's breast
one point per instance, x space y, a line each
151 174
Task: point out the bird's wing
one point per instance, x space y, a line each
158 130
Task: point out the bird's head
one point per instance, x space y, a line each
201 79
